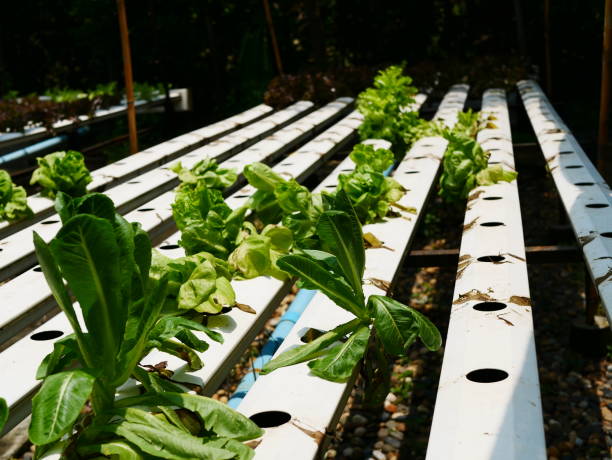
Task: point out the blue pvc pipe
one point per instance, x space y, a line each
284 326
39 146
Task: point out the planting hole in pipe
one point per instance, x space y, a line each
494 162
573 166
487 375
134 182
37 269
491 259
597 205
169 246
492 224
491 198
331 186
46 335
346 170
242 196
566 152
419 158
606 234
489 306
411 172
287 164
584 183
49 222
145 209
270 419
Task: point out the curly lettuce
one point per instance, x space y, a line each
199 282
206 172
385 108
13 200
62 172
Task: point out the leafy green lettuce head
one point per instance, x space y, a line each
206 172
256 254
385 108
13 200
199 282
62 172
365 156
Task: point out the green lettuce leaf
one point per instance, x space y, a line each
62 172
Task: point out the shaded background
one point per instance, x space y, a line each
221 50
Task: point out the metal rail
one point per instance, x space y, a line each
488 403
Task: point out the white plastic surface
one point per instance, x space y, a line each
585 195
499 420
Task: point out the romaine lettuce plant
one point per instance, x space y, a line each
105 262
13 200
62 172
338 273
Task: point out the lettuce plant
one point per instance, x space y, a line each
465 162
206 222
257 253
13 200
338 273
62 172
370 191
199 282
280 200
385 108
105 262
205 172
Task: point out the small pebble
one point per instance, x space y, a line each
359 420
360 431
378 455
400 417
396 443
383 433
348 452
391 398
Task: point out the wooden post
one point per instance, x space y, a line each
547 63
279 64
602 138
127 70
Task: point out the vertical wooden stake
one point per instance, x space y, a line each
547 63
602 138
279 64
127 70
